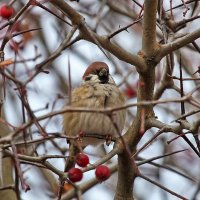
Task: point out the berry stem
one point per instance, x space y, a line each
11 3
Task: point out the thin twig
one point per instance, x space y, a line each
162 187
123 29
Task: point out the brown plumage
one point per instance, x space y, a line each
98 90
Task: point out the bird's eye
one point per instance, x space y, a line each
87 78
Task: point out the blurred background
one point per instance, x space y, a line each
49 90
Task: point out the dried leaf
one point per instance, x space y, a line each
6 63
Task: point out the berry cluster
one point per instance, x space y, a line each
102 172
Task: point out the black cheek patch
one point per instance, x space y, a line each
104 79
88 78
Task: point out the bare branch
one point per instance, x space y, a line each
181 42
115 49
149 44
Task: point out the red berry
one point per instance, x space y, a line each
75 174
6 11
82 160
130 92
102 172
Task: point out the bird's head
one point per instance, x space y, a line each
97 72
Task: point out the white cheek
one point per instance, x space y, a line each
95 78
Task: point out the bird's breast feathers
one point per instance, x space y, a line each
94 96
87 94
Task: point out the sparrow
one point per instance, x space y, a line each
98 90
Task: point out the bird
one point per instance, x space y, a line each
98 90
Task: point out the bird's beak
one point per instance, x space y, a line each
103 72
103 76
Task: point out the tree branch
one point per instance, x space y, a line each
85 31
181 42
149 43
